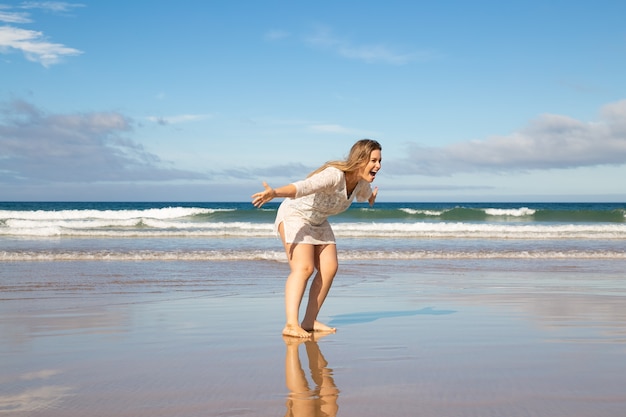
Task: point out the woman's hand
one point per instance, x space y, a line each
263 197
372 198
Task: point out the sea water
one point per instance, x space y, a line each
38 231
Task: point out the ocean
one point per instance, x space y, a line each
236 231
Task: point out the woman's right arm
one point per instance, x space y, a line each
329 178
270 193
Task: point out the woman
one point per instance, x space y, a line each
303 227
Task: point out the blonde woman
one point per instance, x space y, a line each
302 224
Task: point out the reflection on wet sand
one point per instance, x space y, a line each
21 327
33 398
304 401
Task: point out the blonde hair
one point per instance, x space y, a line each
359 153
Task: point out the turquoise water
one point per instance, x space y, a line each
238 231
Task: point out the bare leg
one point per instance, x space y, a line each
301 263
326 264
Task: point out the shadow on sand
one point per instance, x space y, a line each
370 316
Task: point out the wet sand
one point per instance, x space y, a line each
423 339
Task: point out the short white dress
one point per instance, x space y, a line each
305 217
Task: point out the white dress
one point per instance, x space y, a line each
305 218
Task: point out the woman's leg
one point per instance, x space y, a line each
326 264
302 264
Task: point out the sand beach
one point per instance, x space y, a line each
430 337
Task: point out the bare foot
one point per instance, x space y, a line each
320 327
295 331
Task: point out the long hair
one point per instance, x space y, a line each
359 154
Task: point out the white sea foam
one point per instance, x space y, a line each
149 227
116 223
231 231
481 230
519 212
495 212
424 212
72 224
279 255
155 213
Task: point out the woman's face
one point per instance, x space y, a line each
370 168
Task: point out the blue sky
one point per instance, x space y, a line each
204 100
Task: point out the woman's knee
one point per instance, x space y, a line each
328 270
303 269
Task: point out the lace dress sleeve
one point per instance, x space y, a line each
363 192
330 178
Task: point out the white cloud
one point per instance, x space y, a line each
14 17
549 142
33 45
335 128
37 147
324 38
53 6
181 118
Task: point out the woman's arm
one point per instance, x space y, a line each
328 178
258 199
